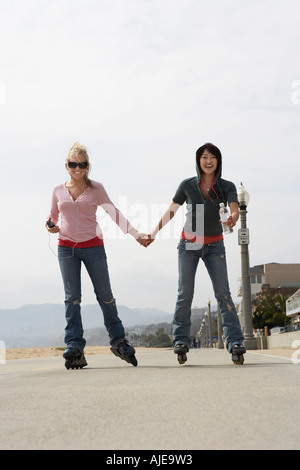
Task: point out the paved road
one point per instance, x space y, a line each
208 403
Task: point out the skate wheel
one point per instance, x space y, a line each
134 361
73 364
182 358
238 360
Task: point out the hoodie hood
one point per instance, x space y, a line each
215 151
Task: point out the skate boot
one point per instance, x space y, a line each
74 359
237 354
181 350
126 352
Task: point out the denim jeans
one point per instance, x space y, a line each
94 259
214 258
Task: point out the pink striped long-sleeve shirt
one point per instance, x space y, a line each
78 220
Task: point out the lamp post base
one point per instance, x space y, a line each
250 343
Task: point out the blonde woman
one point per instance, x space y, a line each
80 240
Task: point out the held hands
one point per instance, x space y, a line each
143 239
147 240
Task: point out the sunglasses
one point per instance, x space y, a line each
82 165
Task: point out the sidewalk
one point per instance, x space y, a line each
283 353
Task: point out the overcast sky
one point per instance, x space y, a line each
143 84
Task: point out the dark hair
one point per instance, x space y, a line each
212 149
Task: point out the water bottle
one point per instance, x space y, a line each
224 214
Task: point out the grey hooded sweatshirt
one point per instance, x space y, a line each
202 218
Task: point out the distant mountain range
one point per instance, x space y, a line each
43 325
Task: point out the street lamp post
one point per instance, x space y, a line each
202 335
203 328
220 342
206 330
209 324
250 341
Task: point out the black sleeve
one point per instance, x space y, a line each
180 195
231 193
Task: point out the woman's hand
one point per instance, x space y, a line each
54 229
147 240
230 222
140 237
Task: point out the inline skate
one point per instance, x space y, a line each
74 359
237 354
181 351
125 352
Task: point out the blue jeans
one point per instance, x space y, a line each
94 259
214 258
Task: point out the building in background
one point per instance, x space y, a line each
293 308
275 275
273 278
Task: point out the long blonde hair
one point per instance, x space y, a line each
76 149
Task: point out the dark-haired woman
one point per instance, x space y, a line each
81 241
202 238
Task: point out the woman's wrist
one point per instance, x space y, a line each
133 232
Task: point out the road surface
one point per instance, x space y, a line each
208 403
